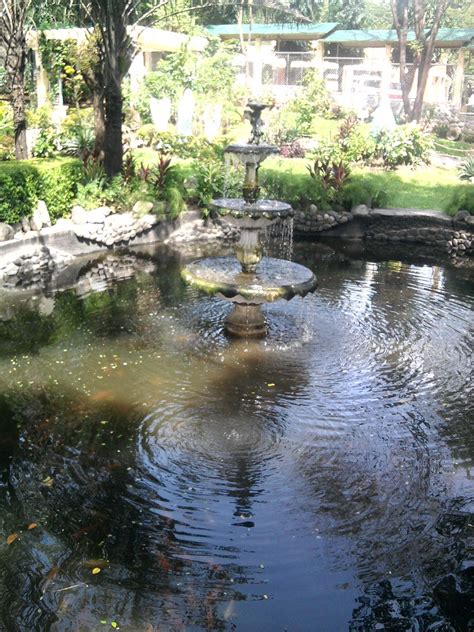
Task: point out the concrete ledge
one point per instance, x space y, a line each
65 240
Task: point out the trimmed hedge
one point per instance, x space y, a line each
24 182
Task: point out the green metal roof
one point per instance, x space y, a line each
274 31
379 37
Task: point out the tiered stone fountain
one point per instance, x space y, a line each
250 280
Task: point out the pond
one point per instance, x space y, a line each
157 475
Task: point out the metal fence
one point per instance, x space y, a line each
350 80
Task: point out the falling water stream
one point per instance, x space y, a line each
175 479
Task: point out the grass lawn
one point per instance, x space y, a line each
454 148
425 187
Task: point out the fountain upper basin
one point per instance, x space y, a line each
274 279
250 154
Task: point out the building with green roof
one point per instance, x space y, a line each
287 32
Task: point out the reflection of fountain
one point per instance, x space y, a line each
249 281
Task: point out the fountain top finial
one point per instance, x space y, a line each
253 113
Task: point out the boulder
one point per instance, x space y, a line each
25 224
462 215
78 215
40 217
142 208
64 224
98 215
6 232
361 209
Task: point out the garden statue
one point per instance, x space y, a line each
160 110
253 113
184 125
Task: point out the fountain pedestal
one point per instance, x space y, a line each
246 321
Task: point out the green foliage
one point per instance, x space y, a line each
46 144
59 58
59 180
211 77
24 182
314 100
40 117
173 75
462 199
79 142
332 176
404 145
355 141
360 190
299 190
466 170
214 179
6 119
196 147
7 147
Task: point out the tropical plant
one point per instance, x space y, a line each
79 142
332 176
466 170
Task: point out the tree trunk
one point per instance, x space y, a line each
99 124
113 149
19 116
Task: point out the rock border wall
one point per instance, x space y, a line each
452 235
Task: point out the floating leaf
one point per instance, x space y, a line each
103 621
114 624
11 538
96 570
271 384
31 526
48 481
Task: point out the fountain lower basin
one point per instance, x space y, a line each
275 279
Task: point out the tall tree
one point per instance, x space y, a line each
425 19
111 20
13 27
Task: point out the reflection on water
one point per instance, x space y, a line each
316 480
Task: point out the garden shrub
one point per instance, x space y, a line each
196 147
7 147
361 191
404 145
466 169
314 100
46 143
462 199
299 190
214 179
23 183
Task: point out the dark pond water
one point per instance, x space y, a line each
319 480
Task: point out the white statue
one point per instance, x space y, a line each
212 121
160 110
184 125
383 119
